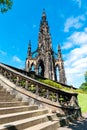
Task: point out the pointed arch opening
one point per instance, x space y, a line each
57 73
32 67
41 68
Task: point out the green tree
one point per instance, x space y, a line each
84 85
85 76
5 5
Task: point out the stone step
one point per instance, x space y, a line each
18 115
9 99
17 109
1 87
24 123
6 96
2 90
2 93
49 125
22 115
6 99
12 104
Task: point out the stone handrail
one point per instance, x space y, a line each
33 75
62 98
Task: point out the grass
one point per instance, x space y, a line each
55 85
82 98
52 83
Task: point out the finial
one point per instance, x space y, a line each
59 47
29 48
29 44
59 52
44 15
44 11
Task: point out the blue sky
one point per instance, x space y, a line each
67 20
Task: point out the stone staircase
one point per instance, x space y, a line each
18 115
27 104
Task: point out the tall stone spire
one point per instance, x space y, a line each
62 77
45 47
59 52
44 16
29 49
43 58
44 24
44 35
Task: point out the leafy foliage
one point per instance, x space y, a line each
5 5
85 76
84 86
32 88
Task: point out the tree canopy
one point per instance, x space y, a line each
84 85
5 5
85 76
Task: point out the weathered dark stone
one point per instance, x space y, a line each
44 61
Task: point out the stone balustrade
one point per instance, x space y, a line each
65 100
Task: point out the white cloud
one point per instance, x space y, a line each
80 52
73 22
75 71
79 38
76 57
67 45
16 59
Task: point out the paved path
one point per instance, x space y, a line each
79 125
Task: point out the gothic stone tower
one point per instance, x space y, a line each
44 62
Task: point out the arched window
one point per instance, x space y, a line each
32 67
57 72
40 68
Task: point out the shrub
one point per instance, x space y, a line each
84 86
